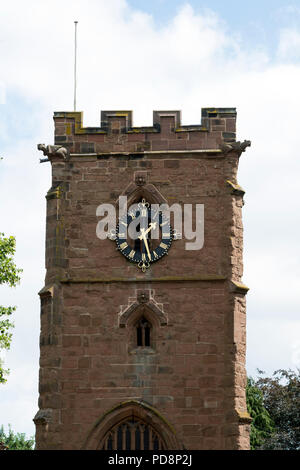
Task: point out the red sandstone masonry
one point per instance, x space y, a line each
117 134
195 375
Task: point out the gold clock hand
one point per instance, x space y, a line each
144 232
147 247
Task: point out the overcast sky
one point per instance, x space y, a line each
146 55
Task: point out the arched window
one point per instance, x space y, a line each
133 434
132 425
143 332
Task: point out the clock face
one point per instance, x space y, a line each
153 238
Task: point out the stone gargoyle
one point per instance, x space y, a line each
51 150
239 146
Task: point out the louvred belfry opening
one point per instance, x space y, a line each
133 434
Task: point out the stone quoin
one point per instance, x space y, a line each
133 359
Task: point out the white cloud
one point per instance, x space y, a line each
274 344
2 93
289 44
19 400
126 62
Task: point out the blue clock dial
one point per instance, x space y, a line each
154 236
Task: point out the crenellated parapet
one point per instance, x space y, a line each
117 134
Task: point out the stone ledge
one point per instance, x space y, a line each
238 288
47 291
236 189
200 278
147 152
244 417
142 351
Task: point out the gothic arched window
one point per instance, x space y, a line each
133 434
131 425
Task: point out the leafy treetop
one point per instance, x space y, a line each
9 274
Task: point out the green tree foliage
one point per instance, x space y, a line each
281 394
9 274
16 441
262 425
274 404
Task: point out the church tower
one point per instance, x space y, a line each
143 340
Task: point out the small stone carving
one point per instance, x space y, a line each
239 146
140 179
51 150
143 297
43 416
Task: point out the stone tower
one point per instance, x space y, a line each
136 358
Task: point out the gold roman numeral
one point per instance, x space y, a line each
123 246
131 254
163 245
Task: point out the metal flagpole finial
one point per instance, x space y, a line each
75 65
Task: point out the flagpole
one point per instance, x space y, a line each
75 66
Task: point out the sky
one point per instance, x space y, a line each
145 56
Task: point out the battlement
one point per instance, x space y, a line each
117 133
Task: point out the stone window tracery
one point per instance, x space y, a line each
133 434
